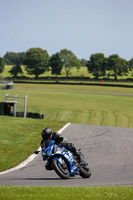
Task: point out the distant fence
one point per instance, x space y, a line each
81 83
70 78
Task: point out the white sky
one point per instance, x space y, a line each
82 26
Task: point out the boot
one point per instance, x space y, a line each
79 156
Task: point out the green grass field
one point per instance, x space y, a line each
65 193
82 72
79 104
60 104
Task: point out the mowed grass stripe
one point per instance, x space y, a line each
93 117
122 120
102 117
78 107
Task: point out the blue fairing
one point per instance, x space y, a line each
53 151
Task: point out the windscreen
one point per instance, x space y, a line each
46 144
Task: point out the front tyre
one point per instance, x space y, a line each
61 169
85 172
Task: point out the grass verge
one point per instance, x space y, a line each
78 193
19 138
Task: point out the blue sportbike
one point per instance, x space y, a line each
64 162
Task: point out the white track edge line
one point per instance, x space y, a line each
32 156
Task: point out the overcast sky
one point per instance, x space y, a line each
83 26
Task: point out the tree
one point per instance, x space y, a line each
15 70
37 61
130 64
96 65
69 60
1 65
56 64
124 65
83 62
12 58
117 65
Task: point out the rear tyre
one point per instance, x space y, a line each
85 172
61 169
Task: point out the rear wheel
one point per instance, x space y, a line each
61 169
85 172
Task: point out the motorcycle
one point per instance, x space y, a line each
64 162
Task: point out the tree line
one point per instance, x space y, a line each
38 61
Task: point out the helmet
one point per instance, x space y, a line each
46 133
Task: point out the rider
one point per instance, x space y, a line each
60 140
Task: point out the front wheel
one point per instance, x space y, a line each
61 169
85 172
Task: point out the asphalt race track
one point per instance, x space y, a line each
108 150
